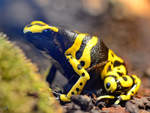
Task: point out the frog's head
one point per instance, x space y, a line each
42 36
39 27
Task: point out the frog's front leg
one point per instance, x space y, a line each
79 85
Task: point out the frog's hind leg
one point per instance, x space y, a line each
133 90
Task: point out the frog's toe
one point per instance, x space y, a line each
64 98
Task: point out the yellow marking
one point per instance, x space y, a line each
64 98
35 28
86 56
38 22
76 45
77 85
113 57
55 29
127 83
137 83
117 101
105 97
121 69
105 70
74 62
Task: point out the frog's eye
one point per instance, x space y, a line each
46 31
110 84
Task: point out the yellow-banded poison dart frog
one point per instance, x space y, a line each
78 54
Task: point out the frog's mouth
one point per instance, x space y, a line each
38 36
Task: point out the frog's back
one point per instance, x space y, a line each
88 50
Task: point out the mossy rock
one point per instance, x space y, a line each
21 88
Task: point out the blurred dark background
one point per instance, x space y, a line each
123 25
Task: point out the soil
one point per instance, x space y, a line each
86 104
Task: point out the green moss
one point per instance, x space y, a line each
21 88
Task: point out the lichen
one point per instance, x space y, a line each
21 88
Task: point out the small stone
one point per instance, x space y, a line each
83 101
147 72
131 107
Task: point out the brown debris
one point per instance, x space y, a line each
115 110
136 104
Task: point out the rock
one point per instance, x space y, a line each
83 101
137 104
131 107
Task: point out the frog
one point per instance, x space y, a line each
86 57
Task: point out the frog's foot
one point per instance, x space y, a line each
118 101
64 98
105 97
110 97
